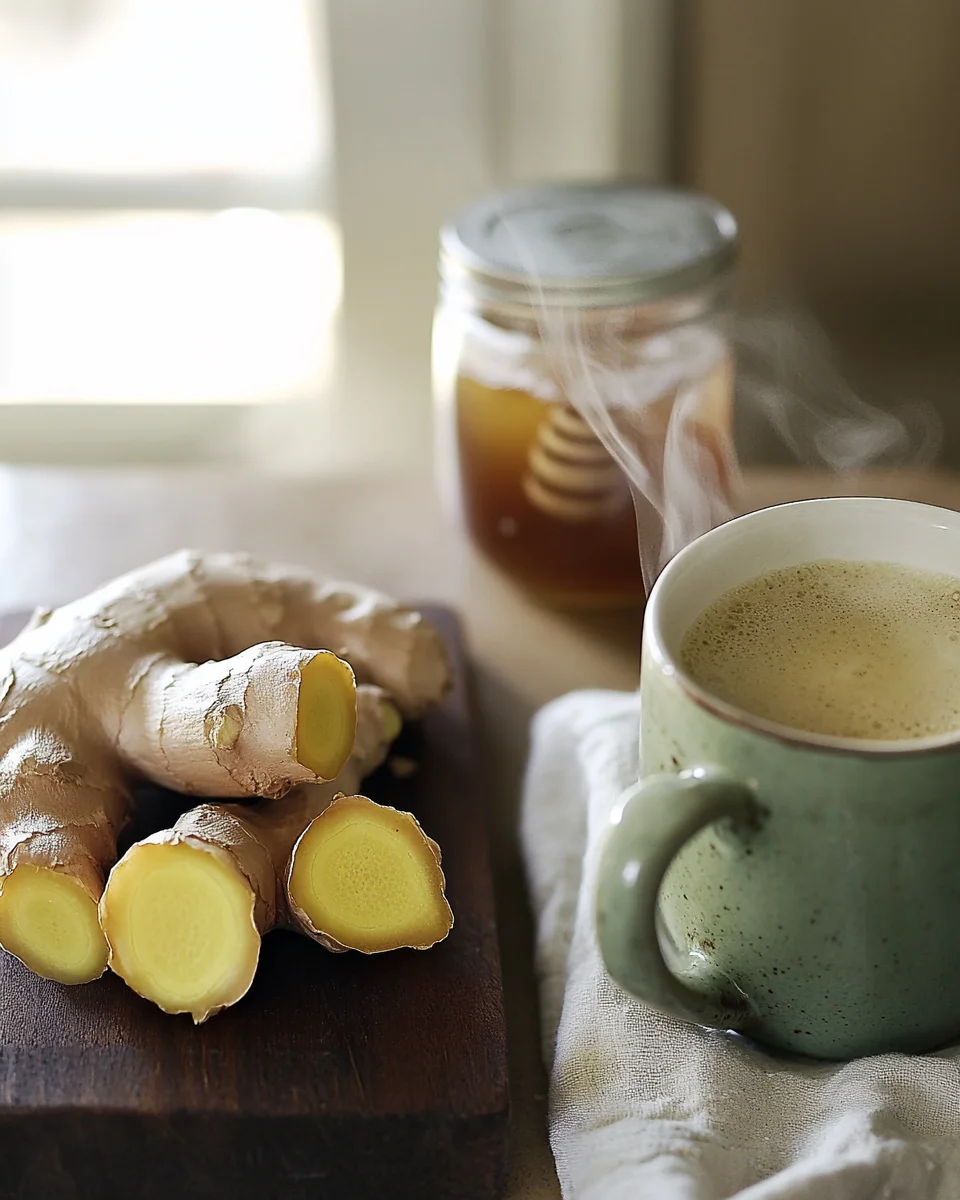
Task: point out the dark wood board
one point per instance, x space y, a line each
338 1077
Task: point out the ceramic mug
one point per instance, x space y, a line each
799 888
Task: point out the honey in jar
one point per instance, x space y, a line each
535 487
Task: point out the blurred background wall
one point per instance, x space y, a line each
833 132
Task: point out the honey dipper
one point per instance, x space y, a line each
570 476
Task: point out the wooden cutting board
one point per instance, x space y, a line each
338 1077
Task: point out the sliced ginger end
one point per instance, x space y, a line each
179 922
49 921
367 877
326 715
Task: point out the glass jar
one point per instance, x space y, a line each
565 310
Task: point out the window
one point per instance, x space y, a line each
170 261
139 143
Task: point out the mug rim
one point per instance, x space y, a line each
655 641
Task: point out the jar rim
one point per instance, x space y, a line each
588 245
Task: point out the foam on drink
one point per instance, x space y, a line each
848 649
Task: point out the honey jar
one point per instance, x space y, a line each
568 311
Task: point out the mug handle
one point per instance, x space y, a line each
651 824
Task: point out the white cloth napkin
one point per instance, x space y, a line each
645 1106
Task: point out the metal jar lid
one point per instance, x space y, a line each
588 245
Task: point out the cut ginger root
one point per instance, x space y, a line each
366 877
182 926
54 879
207 673
48 921
184 910
326 724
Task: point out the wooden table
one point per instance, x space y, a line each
64 532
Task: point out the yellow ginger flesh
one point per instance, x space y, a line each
49 921
366 877
186 918
326 716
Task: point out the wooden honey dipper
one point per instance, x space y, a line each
570 476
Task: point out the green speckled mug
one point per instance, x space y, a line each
801 889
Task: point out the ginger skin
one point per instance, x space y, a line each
191 672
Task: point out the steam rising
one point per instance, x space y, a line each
661 404
787 378
658 392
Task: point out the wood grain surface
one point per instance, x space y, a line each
337 1076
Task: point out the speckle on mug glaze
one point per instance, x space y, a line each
836 917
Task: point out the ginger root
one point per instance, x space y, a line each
185 909
190 672
366 877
